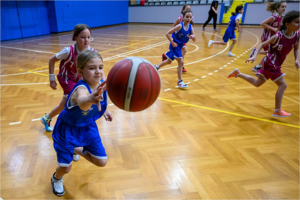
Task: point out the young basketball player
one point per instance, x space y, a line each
229 33
271 27
280 46
178 21
76 129
181 35
67 77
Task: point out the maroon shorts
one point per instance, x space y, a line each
67 86
274 73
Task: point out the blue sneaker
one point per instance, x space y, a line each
46 121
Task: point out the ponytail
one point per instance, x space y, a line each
273 6
237 10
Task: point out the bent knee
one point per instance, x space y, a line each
169 61
100 162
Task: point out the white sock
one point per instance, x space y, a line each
276 110
179 80
229 51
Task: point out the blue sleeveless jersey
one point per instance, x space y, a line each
232 24
181 36
74 116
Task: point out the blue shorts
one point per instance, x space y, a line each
67 137
172 55
229 34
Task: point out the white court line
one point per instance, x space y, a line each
111 104
210 73
225 66
27 50
167 89
188 83
14 123
35 119
196 79
221 68
216 70
203 76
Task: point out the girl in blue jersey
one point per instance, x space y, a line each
76 129
181 34
232 26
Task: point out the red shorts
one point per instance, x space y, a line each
274 73
67 86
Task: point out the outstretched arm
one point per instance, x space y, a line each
192 36
260 46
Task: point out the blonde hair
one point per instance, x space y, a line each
84 56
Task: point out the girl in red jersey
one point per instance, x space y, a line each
271 26
280 46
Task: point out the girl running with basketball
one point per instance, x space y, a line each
67 77
181 34
76 129
178 21
271 27
229 33
280 45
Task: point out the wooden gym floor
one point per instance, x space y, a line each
215 140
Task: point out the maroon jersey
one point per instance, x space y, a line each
267 33
67 67
280 49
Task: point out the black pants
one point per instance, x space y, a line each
211 15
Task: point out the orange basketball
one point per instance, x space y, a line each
133 84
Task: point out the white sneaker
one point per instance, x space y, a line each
156 67
57 186
75 157
256 68
181 84
210 43
230 54
252 52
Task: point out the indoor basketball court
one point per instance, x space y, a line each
216 139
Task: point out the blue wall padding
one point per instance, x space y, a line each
33 18
92 13
10 26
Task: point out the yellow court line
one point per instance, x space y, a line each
130 45
231 113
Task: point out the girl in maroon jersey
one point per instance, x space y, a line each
271 26
67 75
280 46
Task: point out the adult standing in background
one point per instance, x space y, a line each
213 13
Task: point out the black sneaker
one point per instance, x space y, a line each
252 52
256 68
57 186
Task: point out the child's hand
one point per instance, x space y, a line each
53 85
252 59
297 64
174 44
96 95
191 36
108 117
